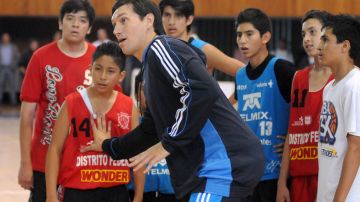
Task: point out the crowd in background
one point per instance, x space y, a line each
14 59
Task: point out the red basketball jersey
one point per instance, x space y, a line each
304 125
91 170
51 75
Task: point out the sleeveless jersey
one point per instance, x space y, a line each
304 125
265 111
51 75
91 170
157 179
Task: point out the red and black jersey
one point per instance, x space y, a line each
91 170
304 125
50 76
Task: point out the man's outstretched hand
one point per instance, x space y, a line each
149 157
100 133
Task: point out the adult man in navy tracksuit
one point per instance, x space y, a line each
212 155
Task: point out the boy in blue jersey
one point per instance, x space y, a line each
177 17
211 154
263 93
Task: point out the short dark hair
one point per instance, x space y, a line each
113 50
184 7
346 27
322 16
142 8
257 18
73 6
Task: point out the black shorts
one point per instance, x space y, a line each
38 192
166 198
154 196
113 194
265 191
147 196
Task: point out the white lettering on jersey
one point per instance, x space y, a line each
251 101
53 76
88 78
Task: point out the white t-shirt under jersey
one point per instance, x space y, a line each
340 115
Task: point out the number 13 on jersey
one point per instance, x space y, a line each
265 128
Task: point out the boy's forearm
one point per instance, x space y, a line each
26 128
51 172
139 182
349 169
232 99
285 163
25 144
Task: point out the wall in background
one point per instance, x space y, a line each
209 8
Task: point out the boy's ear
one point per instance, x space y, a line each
150 18
90 70
60 24
189 20
265 38
89 30
346 46
122 76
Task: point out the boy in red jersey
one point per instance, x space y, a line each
300 156
55 70
93 176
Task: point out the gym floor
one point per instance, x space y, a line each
10 191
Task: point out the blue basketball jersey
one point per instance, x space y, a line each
161 170
266 112
157 179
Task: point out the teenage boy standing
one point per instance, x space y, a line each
263 93
339 145
54 71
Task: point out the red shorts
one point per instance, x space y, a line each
303 188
